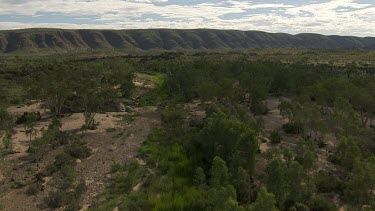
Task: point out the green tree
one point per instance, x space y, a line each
221 134
53 84
199 177
92 90
306 154
221 198
121 75
301 186
345 118
287 110
244 186
219 173
276 179
30 130
347 153
364 103
5 120
361 184
265 201
245 151
6 125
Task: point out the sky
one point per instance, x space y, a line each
329 17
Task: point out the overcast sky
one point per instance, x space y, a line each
341 17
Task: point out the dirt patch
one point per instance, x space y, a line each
116 140
119 146
273 120
110 148
73 122
34 107
19 174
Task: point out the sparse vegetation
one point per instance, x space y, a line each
275 137
208 153
78 149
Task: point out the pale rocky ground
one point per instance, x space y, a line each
272 120
118 145
73 122
69 123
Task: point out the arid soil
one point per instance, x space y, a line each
116 140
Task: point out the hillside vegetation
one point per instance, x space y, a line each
205 131
59 40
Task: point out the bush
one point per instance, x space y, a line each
55 199
78 150
259 108
110 130
154 97
321 204
68 176
292 128
275 137
23 118
7 142
92 126
172 116
64 159
61 160
328 183
75 197
50 169
33 189
61 138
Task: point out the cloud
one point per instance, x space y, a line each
343 17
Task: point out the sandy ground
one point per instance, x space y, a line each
118 145
74 122
108 148
273 120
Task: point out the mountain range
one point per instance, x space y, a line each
63 40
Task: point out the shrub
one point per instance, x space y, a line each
17 184
33 189
117 167
110 130
173 115
61 160
92 126
321 143
75 197
61 138
23 118
7 142
259 108
64 159
50 169
320 203
55 199
327 183
78 150
68 176
275 137
292 128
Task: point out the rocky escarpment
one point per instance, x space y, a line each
60 40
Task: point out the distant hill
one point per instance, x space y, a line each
60 40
